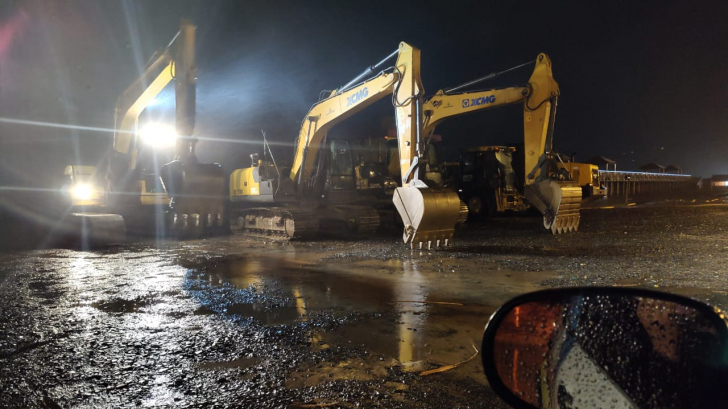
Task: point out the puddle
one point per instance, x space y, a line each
390 312
122 305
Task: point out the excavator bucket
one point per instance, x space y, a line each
559 202
198 198
429 215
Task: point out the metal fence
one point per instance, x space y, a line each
620 183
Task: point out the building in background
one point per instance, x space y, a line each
673 170
603 162
652 168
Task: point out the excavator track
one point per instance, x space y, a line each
368 221
349 220
279 223
287 223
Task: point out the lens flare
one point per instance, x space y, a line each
82 191
158 135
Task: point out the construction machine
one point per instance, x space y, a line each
587 176
379 160
316 195
378 171
488 182
84 186
182 198
546 186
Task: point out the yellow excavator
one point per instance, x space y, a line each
182 198
316 194
548 187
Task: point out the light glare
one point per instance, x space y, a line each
158 135
82 191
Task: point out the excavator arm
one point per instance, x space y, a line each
550 191
175 62
429 214
443 106
136 202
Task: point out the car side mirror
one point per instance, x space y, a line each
607 348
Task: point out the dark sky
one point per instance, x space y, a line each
640 81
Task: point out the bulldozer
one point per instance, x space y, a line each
547 186
318 193
129 193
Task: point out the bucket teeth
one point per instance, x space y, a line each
567 215
566 223
429 245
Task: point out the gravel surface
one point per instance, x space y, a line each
237 322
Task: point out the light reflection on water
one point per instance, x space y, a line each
412 315
394 317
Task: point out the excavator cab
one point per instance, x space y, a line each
340 175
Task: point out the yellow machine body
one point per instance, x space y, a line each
587 176
556 196
428 214
242 183
479 181
137 194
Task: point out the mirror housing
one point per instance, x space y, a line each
607 347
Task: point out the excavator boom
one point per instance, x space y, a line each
176 62
331 111
429 214
551 192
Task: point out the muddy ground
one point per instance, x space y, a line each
237 322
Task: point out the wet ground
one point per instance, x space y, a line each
236 322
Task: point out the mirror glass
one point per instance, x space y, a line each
611 351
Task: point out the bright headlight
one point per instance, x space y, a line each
158 135
82 191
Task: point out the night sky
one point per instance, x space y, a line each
641 81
